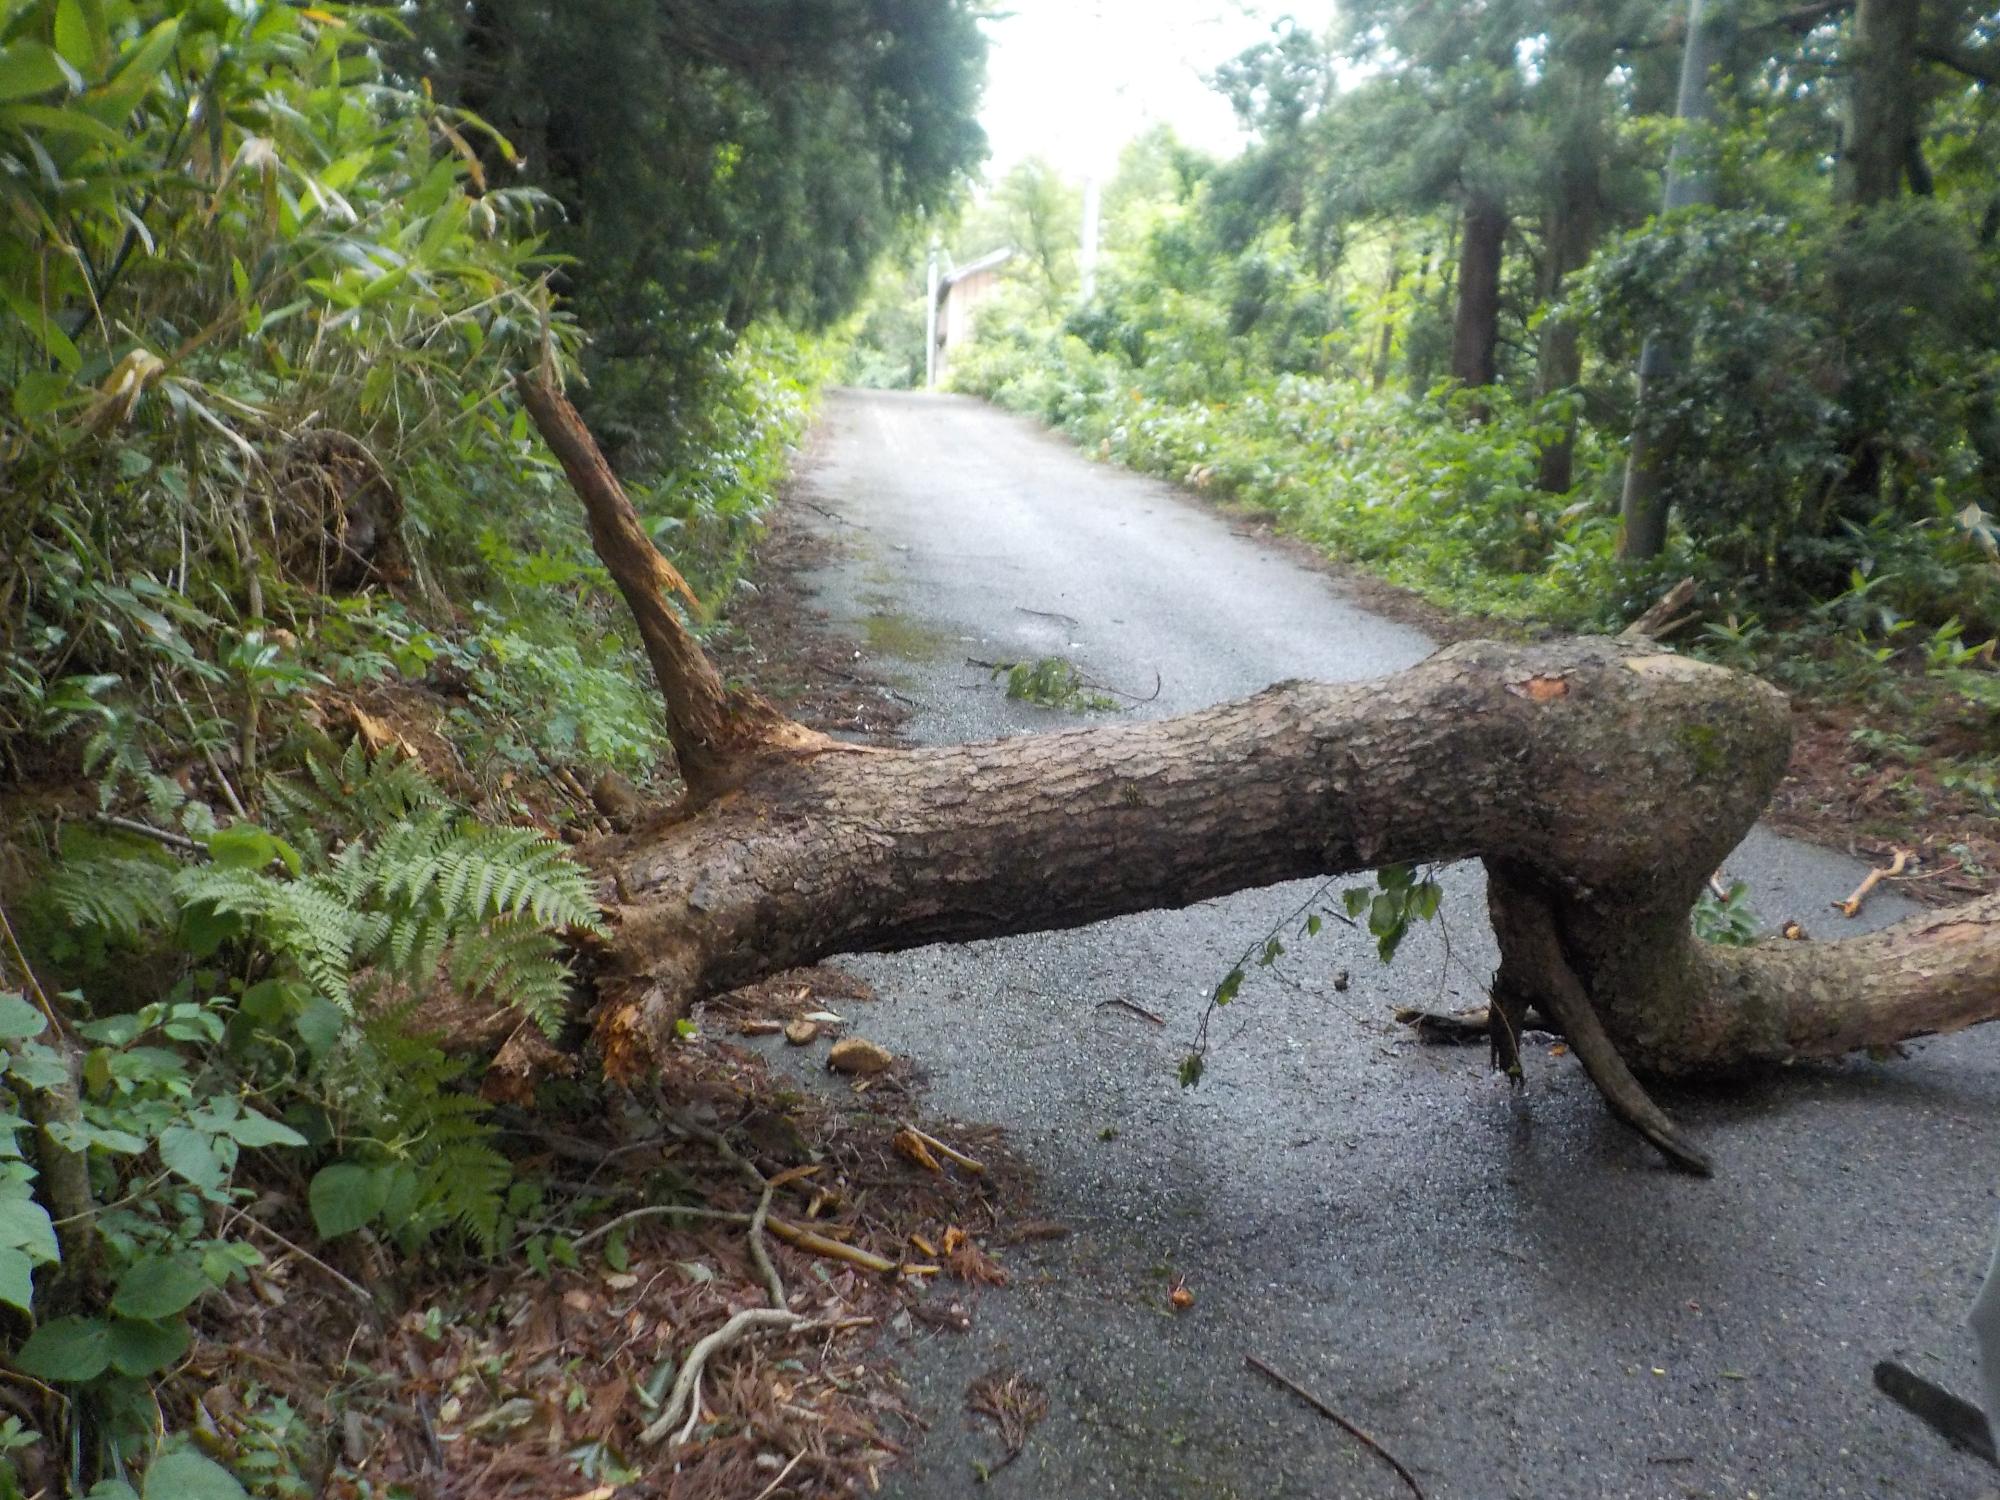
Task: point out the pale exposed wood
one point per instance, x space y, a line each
717 732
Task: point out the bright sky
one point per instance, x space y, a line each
1073 80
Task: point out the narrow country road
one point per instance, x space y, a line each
1508 1291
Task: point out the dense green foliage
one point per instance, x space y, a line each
718 164
1407 321
268 273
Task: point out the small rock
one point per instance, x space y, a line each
616 799
857 1056
801 1033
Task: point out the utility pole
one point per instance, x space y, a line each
1087 252
930 319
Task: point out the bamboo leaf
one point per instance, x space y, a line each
31 68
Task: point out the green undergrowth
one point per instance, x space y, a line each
300 633
1438 493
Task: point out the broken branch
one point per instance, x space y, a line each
1851 907
969 1163
1331 1415
718 733
750 1320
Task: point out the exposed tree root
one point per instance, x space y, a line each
1533 948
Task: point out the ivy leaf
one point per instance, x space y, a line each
19 1019
186 1475
158 1287
24 1226
1191 1070
191 1155
344 1197
252 1129
68 1349
144 1347
17 1281
1231 983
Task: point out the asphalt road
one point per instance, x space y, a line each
1508 1291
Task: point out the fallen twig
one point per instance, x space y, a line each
748 1321
971 1164
760 1252
804 1239
1718 886
1333 1416
1082 682
769 1489
1015 1405
1851 907
1049 614
359 1292
1137 1010
147 831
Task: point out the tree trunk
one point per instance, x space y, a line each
1880 135
1642 506
1571 230
1579 64
1385 341
1600 781
1475 331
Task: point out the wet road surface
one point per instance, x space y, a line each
1507 1290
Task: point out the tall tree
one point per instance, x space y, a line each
718 161
1642 519
1881 136
1475 327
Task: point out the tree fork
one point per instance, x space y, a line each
718 732
1600 780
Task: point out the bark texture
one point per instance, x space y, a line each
1475 330
1603 780
1881 135
718 733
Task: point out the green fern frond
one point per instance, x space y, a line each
319 929
229 892
355 794
119 899
407 1094
515 960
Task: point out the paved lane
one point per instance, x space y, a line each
1507 1290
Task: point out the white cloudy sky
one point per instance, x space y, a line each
1073 80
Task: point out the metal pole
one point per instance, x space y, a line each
930 319
1087 255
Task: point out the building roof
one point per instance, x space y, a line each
973 267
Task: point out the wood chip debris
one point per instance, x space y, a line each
858 1056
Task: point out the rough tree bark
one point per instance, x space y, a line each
1601 782
1475 329
1642 504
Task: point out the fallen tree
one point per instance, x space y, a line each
1600 781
